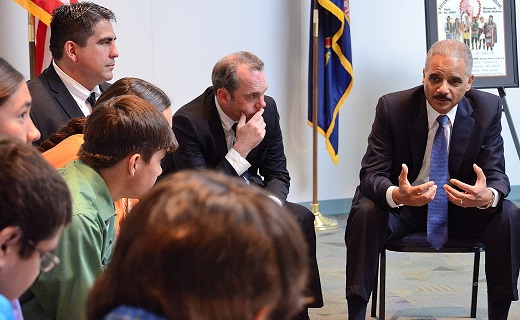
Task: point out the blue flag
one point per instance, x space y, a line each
335 75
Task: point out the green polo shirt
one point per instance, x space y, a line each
84 249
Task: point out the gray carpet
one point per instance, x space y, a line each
419 285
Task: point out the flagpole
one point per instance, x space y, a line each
320 222
32 48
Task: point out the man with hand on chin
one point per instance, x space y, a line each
233 127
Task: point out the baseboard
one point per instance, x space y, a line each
332 207
342 206
514 195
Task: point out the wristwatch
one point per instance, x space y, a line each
490 202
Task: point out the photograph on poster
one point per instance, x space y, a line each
487 27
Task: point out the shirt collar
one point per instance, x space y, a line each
433 115
226 121
88 181
78 92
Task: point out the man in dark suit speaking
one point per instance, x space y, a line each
83 48
435 162
205 129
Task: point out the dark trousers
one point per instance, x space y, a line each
368 227
305 219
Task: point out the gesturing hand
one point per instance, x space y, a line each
414 196
470 196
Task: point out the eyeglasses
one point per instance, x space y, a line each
48 260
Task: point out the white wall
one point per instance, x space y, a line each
174 44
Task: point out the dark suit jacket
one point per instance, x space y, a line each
202 144
399 135
52 104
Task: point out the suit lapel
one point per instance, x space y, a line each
460 136
417 135
215 127
103 86
62 94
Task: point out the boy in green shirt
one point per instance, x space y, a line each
125 139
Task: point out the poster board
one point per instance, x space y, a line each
488 27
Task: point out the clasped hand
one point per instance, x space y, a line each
460 194
249 134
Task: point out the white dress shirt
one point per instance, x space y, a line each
233 157
424 174
78 92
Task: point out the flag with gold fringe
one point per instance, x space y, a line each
42 12
335 73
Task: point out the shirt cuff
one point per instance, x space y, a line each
497 197
495 201
237 162
389 198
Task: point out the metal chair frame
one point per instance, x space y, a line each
417 242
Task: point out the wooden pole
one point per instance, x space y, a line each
315 36
32 48
320 222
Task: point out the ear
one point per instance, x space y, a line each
470 82
133 163
223 96
423 74
69 50
9 237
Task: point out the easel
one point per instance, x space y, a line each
505 108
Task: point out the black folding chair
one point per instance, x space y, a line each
417 242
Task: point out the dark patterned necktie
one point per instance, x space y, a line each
244 175
438 207
92 99
234 127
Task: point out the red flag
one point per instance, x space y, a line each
42 11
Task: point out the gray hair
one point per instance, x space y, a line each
451 48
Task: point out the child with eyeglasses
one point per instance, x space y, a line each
35 206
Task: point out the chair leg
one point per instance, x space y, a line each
382 284
374 293
476 265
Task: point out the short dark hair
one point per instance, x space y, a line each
218 248
75 22
140 88
121 126
224 73
10 80
33 196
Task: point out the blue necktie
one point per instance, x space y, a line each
438 207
